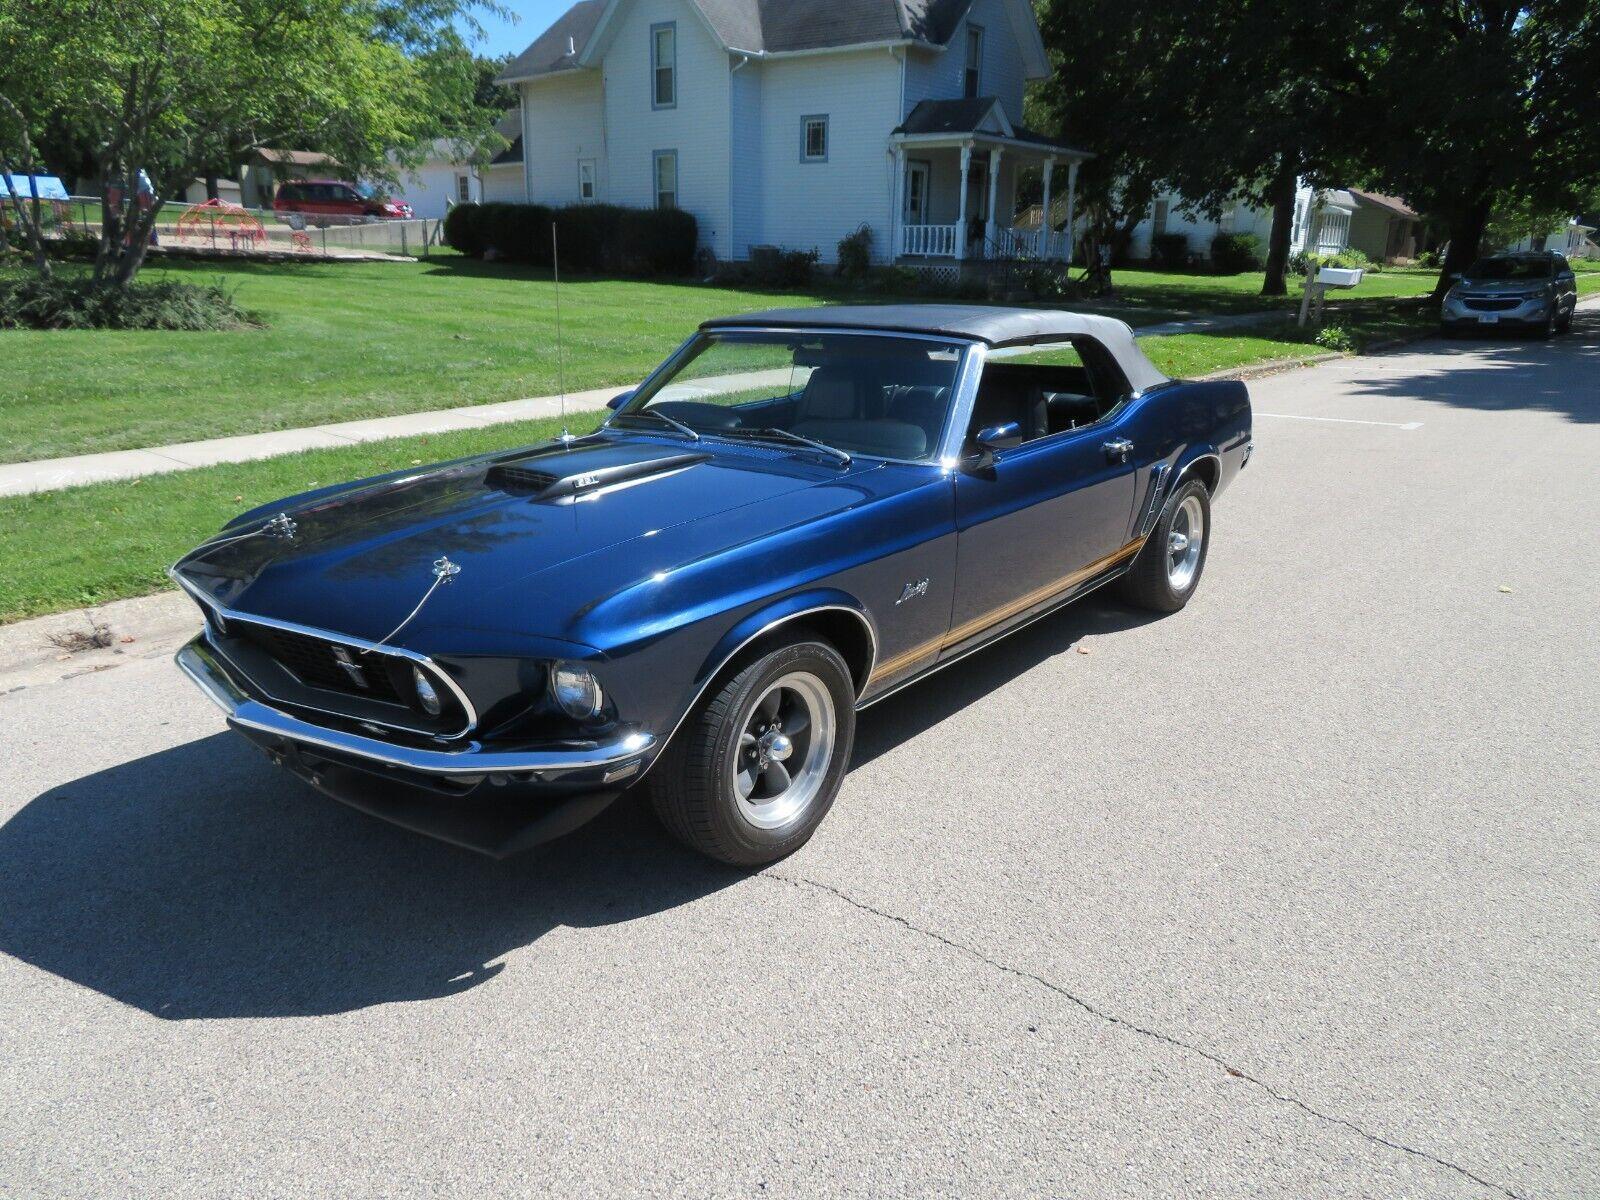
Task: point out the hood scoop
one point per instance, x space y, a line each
562 472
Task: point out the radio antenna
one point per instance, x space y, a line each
561 373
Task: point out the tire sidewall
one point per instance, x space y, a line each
1193 487
750 842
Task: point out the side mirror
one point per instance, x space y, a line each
999 437
617 401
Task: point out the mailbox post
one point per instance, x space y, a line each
1318 281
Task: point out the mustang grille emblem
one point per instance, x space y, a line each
912 590
350 667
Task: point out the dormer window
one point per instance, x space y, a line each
664 66
974 76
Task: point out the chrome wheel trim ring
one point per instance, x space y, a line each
1185 540
782 751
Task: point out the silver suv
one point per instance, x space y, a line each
1534 291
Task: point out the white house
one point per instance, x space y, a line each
442 179
794 122
502 177
1326 221
1570 239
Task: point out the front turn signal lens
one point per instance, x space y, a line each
427 694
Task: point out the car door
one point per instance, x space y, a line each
1037 520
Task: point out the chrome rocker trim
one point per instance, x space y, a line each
199 662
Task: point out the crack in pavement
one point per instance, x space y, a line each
1110 1018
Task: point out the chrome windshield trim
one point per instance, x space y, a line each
227 615
199 663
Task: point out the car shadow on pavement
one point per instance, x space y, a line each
202 882
904 715
1555 376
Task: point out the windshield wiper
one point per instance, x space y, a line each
771 434
660 416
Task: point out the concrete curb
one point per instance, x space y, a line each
140 628
1273 366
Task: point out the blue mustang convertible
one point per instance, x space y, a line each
798 513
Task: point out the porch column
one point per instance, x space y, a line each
1044 223
897 215
1072 197
961 217
994 193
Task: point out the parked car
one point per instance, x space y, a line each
331 202
1536 291
799 513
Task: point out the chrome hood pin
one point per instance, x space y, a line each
443 572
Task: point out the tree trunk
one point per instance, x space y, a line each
211 186
133 254
1282 197
1466 232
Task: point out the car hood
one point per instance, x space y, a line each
360 560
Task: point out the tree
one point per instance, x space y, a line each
165 90
1222 103
1482 107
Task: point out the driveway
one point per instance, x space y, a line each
1290 894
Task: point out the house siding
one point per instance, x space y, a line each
811 205
698 127
504 183
932 75
562 121
745 185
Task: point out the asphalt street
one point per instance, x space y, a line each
1292 893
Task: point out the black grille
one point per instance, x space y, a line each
316 661
1488 304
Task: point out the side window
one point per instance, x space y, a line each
1048 390
973 80
814 139
664 66
463 189
289 193
666 169
1562 267
586 179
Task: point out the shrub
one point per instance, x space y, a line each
1335 337
594 238
855 254
899 281
76 302
1304 261
772 266
1233 253
1044 281
1170 249
1428 260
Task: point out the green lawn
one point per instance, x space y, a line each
351 340
107 541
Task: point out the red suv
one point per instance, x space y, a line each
331 202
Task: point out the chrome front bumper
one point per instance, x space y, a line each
615 763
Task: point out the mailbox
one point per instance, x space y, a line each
1339 277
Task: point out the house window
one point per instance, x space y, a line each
1159 217
666 179
814 139
974 75
586 179
463 189
664 66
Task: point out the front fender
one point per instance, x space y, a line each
777 613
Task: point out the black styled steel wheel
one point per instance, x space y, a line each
757 765
1168 568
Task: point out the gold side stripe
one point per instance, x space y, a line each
967 629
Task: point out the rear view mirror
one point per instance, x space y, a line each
616 402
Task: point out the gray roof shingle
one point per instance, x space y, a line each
763 26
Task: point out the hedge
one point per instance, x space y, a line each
596 239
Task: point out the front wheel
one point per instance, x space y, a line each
756 767
1168 569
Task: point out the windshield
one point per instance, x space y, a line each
1510 268
366 191
883 396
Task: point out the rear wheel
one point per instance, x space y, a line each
757 765
1168 569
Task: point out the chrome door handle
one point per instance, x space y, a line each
1118 449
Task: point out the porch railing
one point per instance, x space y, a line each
933 240
1037 244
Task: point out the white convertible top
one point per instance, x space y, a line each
995 325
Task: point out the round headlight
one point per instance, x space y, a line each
427 694
576 691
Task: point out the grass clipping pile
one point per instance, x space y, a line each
76 302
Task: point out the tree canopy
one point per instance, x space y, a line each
171 88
